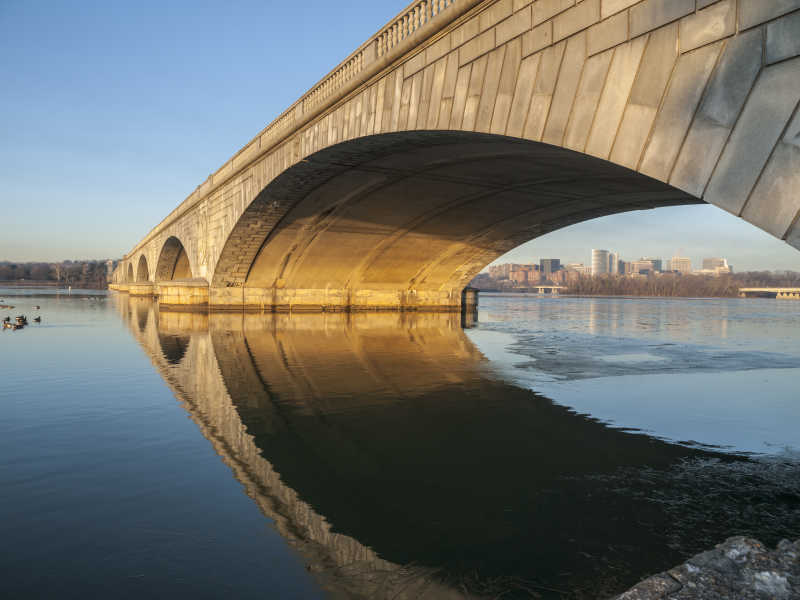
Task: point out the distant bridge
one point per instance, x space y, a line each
467 127
548 289
771 292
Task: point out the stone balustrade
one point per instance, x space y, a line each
411 19
415 16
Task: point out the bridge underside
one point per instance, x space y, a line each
406 220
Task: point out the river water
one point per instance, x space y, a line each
543 448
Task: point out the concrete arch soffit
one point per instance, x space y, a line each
458 199
173 261
142 270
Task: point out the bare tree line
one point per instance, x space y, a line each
664 284
688 286
79 273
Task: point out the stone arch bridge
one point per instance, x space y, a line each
467 127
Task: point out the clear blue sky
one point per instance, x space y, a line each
112 112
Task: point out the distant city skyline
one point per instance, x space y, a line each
696 232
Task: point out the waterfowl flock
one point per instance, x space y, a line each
20 321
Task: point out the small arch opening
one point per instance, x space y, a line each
142 273
173 262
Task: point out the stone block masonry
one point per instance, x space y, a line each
530 115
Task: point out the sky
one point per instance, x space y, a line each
111 113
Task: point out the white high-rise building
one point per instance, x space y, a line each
599 262
680 264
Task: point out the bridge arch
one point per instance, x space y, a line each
142 270
173 261
129 276
411 217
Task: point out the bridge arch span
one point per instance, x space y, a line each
405 219
130 277
142 270
173 261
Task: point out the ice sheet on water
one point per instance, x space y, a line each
573 355
718 394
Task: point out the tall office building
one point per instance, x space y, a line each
613 263
643 265
680 264
548 265
599 262
715 263
716 266
500 271
578 268
656 263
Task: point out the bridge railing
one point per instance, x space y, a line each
411 19
387 41
416 16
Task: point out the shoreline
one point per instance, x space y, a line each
49 284
623 296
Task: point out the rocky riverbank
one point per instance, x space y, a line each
740 568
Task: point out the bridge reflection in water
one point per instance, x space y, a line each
389 455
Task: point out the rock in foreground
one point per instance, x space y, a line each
740 568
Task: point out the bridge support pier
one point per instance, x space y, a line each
142 289
182 293
333 300
469 299
197 293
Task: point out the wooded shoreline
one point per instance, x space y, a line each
661 285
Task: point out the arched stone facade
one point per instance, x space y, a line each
697 96
173 261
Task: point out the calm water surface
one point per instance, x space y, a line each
554 448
